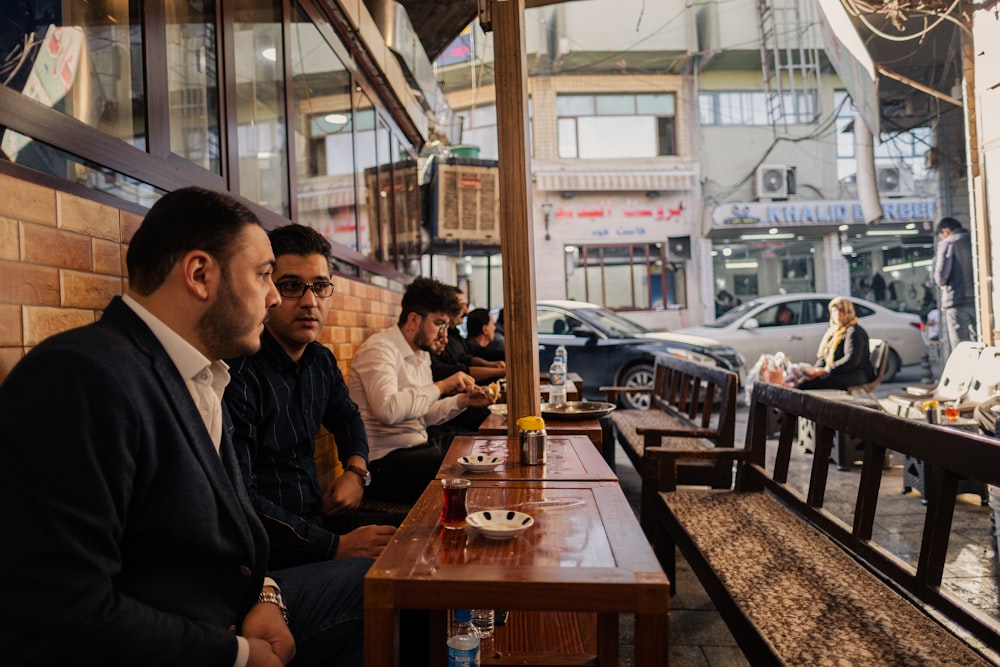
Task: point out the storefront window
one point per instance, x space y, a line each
324 135
625 277
260 104
193 83
83 59
616 126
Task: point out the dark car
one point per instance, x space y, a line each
605 348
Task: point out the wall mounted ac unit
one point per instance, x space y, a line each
775 181
465 201
894 181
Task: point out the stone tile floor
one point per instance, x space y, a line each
699 637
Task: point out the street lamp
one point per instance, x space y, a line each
547 212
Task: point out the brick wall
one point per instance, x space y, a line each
62 258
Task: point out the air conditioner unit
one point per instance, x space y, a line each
894 181
775 181
465 201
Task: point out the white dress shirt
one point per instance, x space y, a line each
395 391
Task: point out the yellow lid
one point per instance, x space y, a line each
530 424
930 404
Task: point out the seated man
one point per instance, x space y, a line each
482 339
392 383
135 544
456 356
279 398
784 316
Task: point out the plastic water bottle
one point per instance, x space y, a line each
463 641
483 620
557 383
561 356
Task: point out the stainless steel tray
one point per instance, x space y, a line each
577 410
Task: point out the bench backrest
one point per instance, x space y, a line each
704 394
950 454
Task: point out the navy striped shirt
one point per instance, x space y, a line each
277 407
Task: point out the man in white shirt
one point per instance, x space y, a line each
392 383
133 541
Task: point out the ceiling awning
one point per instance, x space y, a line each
644 180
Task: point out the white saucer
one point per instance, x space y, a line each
500 524
499 409
480 462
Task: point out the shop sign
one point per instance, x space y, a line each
608 218
819 212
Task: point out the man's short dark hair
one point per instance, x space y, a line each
296 239
179 222
426 295
949 223
476 320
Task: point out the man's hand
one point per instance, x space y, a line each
343 494
266 632
261 655
476 398
365 542
456 384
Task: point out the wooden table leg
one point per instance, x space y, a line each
381 637
652 644
607 639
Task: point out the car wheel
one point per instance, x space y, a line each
891 366
636 376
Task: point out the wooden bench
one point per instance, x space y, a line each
796 584
691 405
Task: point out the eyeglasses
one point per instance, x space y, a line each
440 325
296 289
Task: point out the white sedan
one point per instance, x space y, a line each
757 327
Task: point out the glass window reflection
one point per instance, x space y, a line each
193 83
324 135
260 104
81 59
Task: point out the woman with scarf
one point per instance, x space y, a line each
844 360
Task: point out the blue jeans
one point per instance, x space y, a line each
326 611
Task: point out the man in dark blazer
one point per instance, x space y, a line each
130 539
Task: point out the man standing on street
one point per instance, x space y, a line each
953 274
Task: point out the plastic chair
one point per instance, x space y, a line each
957 377
985 379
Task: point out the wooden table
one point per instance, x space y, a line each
570 458
585 553
495 424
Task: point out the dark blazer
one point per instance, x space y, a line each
129 540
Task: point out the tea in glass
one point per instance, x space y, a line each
453 507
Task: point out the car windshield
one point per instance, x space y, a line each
611 323
731 316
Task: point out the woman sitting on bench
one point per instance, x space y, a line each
843 357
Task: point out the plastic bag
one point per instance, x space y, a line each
769 368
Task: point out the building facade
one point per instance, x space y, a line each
676 156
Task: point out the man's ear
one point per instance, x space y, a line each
199 270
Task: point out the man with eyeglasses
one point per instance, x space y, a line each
280 397
392 383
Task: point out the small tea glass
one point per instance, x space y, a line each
453 502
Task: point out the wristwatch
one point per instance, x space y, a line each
274 598
365 475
